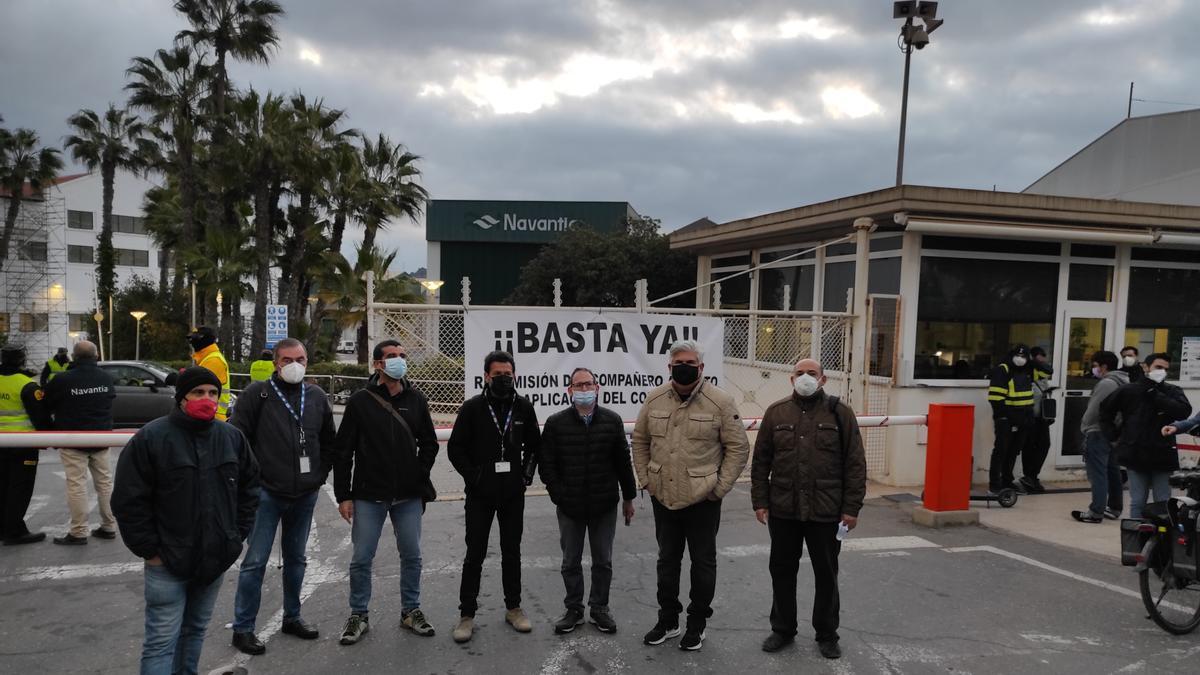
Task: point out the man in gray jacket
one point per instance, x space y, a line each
1099 456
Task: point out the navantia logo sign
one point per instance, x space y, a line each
511 222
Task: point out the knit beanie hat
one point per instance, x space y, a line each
193 377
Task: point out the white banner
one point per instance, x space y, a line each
626 351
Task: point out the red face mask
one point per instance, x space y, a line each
203 409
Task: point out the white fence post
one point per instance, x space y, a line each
466 291
557 292
858 355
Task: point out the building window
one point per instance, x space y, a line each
34 323
970 312
78 323
800 280
839 278
34 251
1090 282
4 323
1162 311
133 257
129 224
79 220
79 254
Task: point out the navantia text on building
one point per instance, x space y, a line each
490 241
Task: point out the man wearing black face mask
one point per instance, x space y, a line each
493 446
1010 394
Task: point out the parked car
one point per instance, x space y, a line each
346 347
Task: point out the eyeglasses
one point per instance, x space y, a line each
583 386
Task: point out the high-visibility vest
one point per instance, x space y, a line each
223 400
260 370
13 416
55 368
1010 395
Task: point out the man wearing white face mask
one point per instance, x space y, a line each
807 478
289 424
1010 395
1130 364
1144 407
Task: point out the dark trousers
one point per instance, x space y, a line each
600 531
18 473
696 528
1011 437
788 538
510 513
1037 447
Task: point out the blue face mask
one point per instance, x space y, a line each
584 399
395 367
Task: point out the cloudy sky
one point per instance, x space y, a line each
685 108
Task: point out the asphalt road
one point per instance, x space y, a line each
913 601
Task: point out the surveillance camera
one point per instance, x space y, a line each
904 9
915 36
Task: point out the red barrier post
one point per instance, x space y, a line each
948 456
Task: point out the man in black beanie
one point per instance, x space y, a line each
192 532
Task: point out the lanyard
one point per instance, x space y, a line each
496 421
292 411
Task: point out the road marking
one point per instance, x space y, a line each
65 572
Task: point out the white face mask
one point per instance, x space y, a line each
1019 361
1129 361
806 385
1157 375
292 373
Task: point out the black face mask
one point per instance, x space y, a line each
685 373
501 386
61 358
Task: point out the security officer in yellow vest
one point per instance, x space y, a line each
260 370
20 410
55 365
1037 445
1010 394
206 354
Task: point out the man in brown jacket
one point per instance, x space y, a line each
689 446
809 477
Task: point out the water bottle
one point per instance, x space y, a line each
842 531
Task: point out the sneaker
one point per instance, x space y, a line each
70 540
776 641
1032 486
661 632
830 649
603 621
569 621
248 643
464 629
1112 514
356 627
692 640
516 618
102 533
1086 516
300 629
415 621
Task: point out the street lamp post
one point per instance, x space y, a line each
137 348
99 317
911 36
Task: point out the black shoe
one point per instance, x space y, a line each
101 533
661 632
70 540
692 640
1015 487
830 650
27 538
300 629
776 641
603 622
1086 516
248 643
568 622
1032 486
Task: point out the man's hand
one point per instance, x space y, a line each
627 510
346 508
155 561
1170 430
850 521
761 514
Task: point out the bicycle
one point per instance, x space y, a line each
1163 548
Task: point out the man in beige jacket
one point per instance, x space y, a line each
689 446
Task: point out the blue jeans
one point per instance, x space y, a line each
177 615
1103 472
296 516
1140 485
365 531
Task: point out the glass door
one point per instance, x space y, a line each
1084 334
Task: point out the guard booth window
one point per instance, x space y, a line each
971 312
1162 311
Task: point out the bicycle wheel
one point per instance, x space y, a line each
1174 604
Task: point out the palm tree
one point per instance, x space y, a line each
170 86
161 206
344 285
115 143
22 161
221 265
392 172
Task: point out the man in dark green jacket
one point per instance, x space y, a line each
808 480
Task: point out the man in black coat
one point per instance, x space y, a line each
494 447
1143 407
185 497
81 399
586 467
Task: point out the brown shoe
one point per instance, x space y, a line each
516 618
464 630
